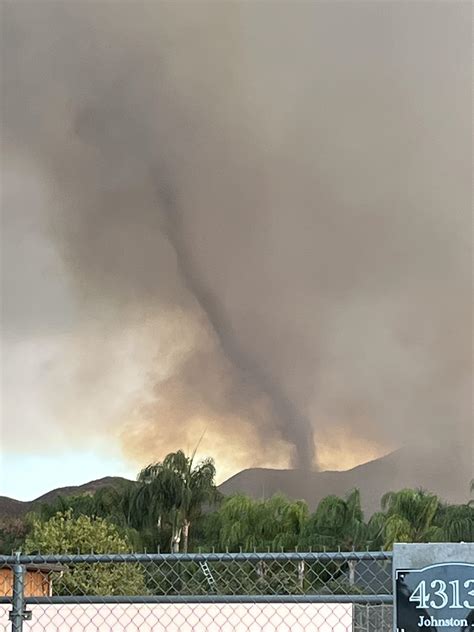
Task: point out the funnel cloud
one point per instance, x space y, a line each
246 220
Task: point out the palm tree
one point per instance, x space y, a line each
337 522
115 503
410 517
285 520
456 522
375 530
273 523
240 523
175 490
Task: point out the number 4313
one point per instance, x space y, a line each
443 594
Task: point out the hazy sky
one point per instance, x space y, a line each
247 222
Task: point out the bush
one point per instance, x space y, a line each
65 535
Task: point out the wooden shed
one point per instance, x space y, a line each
38 580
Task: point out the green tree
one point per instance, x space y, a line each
240 524
456 522
410 517
375 530
273 523
337 522
13 532
78 505
284 521
114 503
66 534
174 491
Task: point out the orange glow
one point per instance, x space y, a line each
340 450
238 446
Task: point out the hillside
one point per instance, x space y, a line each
439 472
448 477
9 507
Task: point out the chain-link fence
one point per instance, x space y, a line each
294 592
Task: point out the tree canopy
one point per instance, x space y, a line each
66 534
175 506
174 492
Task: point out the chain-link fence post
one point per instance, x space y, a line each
18 613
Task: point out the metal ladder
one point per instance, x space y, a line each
208 575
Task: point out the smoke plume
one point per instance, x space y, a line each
242 219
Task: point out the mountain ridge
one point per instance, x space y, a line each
13 508
429 469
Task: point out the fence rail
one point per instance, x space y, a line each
321 592
252 556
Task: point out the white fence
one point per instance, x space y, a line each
281 617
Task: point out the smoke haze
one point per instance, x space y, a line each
243 219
